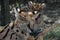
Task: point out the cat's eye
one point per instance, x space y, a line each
18 9
30 14
23 14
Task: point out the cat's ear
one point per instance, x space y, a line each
30 3
43 5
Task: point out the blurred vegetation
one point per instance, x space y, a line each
54 34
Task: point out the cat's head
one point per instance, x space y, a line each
29 14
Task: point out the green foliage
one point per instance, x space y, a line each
54 34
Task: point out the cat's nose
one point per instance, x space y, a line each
36 32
